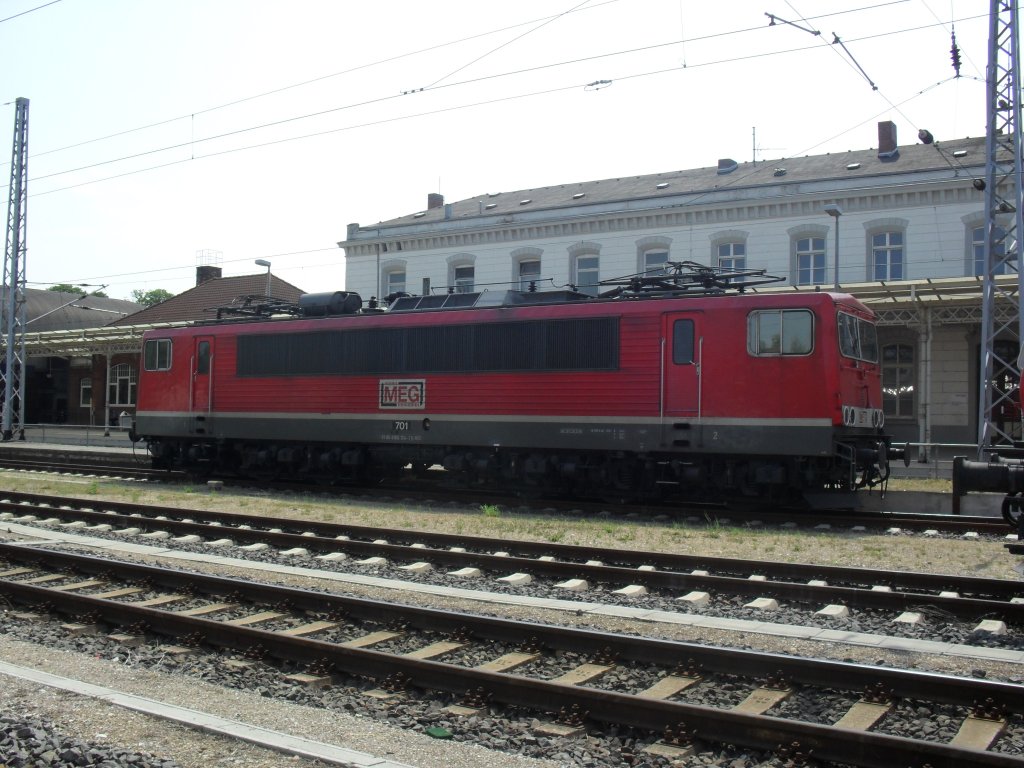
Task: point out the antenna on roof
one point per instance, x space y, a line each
756 149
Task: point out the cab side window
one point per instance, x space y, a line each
203 357
682 342
773 332
157 355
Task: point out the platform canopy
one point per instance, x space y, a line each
83 342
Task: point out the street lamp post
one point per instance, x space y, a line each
265 263
835 212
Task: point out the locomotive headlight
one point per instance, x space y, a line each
854 416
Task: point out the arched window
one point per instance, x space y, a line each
729 249
585 267
810 261
526 268
977 250
462 273
887 255
529 274
393 277
652 254
732 255
808 258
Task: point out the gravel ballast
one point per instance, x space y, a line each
395 732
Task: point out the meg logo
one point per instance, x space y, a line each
403 394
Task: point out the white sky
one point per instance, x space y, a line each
708 74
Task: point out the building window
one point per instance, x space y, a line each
978 250
898 377
810 261
732 255
394 282
461 273
652 254
529 274
464 279
655 262
85 393
887 256
123 381
526 268
587 274
157 355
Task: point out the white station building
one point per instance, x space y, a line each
900 227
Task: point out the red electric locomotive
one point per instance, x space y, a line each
684 385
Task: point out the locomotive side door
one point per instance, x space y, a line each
681 364
201 394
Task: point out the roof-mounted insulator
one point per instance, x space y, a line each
954 53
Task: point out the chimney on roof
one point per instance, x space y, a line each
206 272
887 149
434 200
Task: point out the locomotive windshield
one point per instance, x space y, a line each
857 338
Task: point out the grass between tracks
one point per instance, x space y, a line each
985 557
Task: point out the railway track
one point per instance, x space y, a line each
989 610
573 678
105 466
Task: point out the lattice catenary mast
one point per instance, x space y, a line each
12 321
1001 320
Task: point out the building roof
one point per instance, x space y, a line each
956 155
201 302
54 310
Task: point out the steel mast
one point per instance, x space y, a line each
12 321
1001 320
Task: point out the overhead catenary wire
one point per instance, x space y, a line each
512 97
311 81
391 97
510 42
30 10
187 269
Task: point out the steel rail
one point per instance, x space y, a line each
671 571
131 469
722 726
907 684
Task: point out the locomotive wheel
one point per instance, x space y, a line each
1012 504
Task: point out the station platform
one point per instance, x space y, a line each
94 437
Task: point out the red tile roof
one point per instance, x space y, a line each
201 302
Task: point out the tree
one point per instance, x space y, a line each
68 288
149 298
